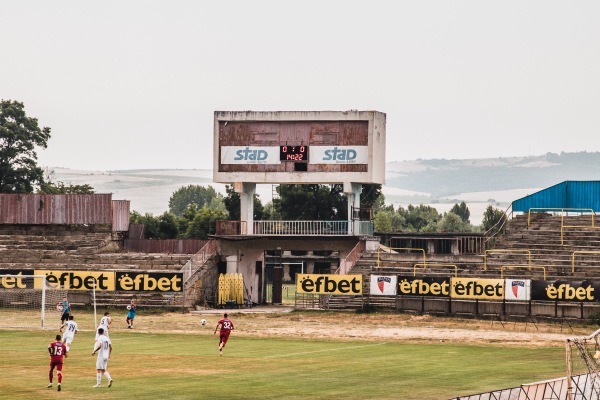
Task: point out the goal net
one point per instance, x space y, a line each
27 301
30 301
583 365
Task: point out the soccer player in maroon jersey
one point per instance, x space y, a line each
226 328
57 350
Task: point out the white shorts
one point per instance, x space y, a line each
101 363
68 339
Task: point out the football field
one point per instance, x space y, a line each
156 363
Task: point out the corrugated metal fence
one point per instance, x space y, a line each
64 209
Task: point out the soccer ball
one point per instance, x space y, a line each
203 322
129 307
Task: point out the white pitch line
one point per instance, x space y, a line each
322 351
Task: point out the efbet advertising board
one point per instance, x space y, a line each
111 281
584 291
456 288
19 279
329 284
424 286
477 288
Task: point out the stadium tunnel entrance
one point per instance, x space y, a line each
270 264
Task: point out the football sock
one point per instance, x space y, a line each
59 378
98 378
107 375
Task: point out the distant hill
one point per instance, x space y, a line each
437 182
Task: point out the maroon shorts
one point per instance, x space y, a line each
56 364
224 335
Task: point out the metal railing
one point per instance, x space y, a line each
529 267
197 260
565 212
579 252
351 259
292 228
505 251
379 250
425 266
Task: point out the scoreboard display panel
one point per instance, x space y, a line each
293 153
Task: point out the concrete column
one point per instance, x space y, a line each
232 264
246 192
352 192
309 267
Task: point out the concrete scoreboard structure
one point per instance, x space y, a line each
298 147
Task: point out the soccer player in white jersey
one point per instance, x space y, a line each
70 331
104 324
104 349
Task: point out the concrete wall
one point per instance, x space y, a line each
243 255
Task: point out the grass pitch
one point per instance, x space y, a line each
157 365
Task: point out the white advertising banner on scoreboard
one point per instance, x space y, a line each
338 154
250 155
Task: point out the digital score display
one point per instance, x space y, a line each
293 153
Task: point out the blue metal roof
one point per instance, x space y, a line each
567 194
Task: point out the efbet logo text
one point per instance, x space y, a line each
78 280
477 288
565 291
419 287
166 282
12 282
329 284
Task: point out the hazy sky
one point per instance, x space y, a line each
134 84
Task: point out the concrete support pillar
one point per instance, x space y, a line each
352 192
309 267
232 264
246 192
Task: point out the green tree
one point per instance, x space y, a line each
191 194
419 217
383 221
462 211
311 202
61 188
451 222
493 217
371 196
204 223
167 226
232 204
150 223
19 137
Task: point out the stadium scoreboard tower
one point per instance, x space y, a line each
298 147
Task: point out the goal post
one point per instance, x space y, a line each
583 366
30 301
26 301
